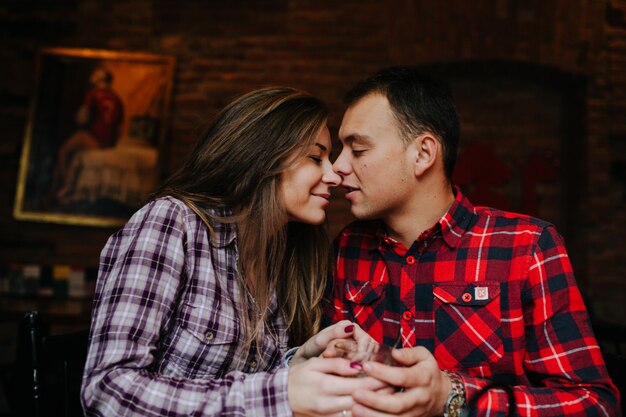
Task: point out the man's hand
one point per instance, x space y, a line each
424 388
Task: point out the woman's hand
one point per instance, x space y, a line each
323 342
324 387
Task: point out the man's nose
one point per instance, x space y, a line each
342 166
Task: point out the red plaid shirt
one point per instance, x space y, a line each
492 295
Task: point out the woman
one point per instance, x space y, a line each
195 293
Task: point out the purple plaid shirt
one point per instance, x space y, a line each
166 337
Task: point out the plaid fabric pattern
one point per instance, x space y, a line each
492 295
165 335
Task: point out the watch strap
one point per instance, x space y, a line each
456 400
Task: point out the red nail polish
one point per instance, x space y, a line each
349 328
356 365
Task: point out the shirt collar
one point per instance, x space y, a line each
452 225
224 233
457 219
382 237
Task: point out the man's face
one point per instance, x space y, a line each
374 163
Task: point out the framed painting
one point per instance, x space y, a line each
96 126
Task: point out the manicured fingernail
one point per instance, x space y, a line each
349 328
356 365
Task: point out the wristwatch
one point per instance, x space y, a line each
456 400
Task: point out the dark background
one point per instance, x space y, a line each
539 86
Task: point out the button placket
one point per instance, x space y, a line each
251 362
408 323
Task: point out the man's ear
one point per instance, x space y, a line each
426 150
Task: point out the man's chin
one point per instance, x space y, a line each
360 214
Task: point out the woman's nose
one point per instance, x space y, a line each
331 178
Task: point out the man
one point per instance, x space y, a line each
480 295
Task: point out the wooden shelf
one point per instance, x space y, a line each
74 312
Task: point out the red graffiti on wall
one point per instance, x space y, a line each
482 175
478 172
539 168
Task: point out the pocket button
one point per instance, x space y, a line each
467 297
208 336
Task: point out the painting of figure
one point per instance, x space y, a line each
91 148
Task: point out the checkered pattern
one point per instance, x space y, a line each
166 335
492 295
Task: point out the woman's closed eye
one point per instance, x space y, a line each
315 158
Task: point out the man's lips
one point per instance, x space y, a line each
350 192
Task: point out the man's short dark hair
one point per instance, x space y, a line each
420 103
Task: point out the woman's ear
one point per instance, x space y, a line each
425 153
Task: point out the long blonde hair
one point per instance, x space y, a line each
236 165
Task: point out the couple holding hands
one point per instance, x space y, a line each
222 296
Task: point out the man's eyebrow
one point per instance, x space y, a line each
322 147
355 138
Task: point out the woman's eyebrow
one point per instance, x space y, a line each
322 147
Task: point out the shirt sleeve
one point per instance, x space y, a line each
141 274
567 373
335 308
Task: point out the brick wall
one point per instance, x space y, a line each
225 48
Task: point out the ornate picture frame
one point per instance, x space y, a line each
96 126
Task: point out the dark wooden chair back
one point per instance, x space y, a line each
55 364
616 365
612 340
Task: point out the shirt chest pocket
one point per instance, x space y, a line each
205 342
363 297
467 324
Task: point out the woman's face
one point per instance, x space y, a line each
305 185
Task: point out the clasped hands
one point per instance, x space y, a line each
322 384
